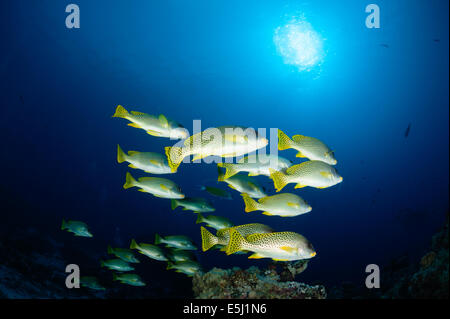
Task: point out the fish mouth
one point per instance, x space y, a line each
313 254
341 179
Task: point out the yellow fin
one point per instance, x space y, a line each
253 174
208 239
132 166
153 133
267 214
288 249
284 142
133 125
232 187
276 259
300 154
250 203
163 121
154 162
279 179
137 113
294 205
121 112
255 256
175 156
236 138
300 186
164 187
121 157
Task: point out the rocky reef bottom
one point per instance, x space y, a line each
255 283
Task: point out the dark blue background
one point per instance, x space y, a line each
216 61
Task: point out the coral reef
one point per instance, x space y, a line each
252 283
431 279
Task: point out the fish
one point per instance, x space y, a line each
149 250
130 279
116 264
407 130
385 45
216 222
153 163
279 246
197 205
158 126
91 283
217 192
223 141
243 184
176 255
222 236
79 228
177 241
187 267
124 254
157 186
316 174
285 205
307 147
256 165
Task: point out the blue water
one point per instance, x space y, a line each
216 61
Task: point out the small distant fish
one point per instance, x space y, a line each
116 264
153 163
149 250
224 141
407 130
197 205
124 254
316 174
282 246
256 165
188 267
217 192
156 126
177 241
437 40
91 283
384 45
216 222
243 184
176 255
285 205
76 227
159 187
129 279
307 147
222 236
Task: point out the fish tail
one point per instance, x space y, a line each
279 179
121 112
250 204
110 250
121 156
230 169
208 239
236 242
174 204
133 244
284 142
158 239
175 156
129 181
63 224
200 219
